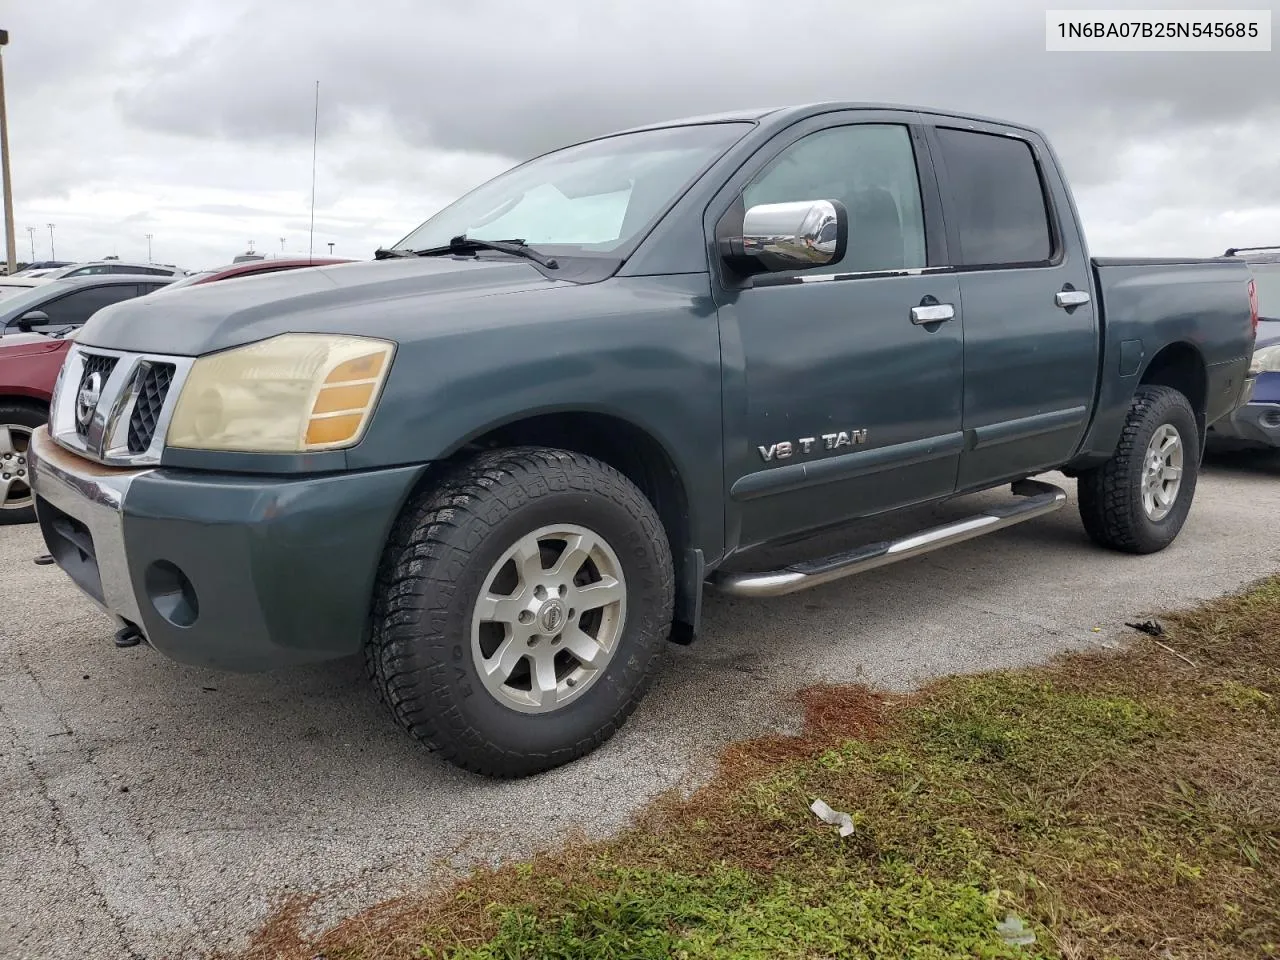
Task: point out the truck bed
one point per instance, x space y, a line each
1152 307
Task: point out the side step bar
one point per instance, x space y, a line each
1035 498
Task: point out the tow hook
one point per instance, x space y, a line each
128 636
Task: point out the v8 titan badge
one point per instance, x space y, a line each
785 449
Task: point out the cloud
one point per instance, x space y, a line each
201 114
517 79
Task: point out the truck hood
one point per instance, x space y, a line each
349 298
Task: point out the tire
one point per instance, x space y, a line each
17 420
1116 512
472 536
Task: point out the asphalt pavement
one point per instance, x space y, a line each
155 810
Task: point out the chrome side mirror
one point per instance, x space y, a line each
791 236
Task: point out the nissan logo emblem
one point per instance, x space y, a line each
87 398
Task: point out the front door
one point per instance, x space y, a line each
839 402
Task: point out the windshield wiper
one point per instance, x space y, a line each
465 244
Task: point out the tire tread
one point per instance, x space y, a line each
426 553
1110 507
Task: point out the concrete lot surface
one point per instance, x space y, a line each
154 810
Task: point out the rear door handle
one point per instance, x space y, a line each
933 313
1071 298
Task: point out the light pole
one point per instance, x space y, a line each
7 187
149 248
331 248
53 254
31 235
282 244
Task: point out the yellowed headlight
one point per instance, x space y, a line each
290 394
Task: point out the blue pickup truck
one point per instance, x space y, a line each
504 458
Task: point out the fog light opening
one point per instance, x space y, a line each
171 593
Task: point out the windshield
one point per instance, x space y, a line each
594 198
1266 280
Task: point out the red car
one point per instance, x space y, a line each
29 365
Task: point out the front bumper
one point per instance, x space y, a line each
236 572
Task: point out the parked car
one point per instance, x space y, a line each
1255 425
29 364
30 360
503 470
252 269
57 305
16 284
100 267
40 266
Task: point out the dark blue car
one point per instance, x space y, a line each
1257 424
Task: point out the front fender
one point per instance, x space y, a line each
645 350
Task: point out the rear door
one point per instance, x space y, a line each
1030 331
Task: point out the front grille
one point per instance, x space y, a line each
137 392
152 390
93 363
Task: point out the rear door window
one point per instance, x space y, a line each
997 199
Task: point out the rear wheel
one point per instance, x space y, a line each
521 610
1138 500
17 422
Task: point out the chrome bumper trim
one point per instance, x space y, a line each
94 495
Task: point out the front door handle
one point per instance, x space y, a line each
1071 298
933 313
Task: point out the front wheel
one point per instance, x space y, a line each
521 610
1138 500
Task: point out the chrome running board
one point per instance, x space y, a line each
1035 498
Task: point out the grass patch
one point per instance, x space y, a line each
1119 805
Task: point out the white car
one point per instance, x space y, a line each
16 284
112 266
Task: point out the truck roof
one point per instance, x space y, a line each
798 111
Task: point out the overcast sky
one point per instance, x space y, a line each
192 121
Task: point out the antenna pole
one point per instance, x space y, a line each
315 137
